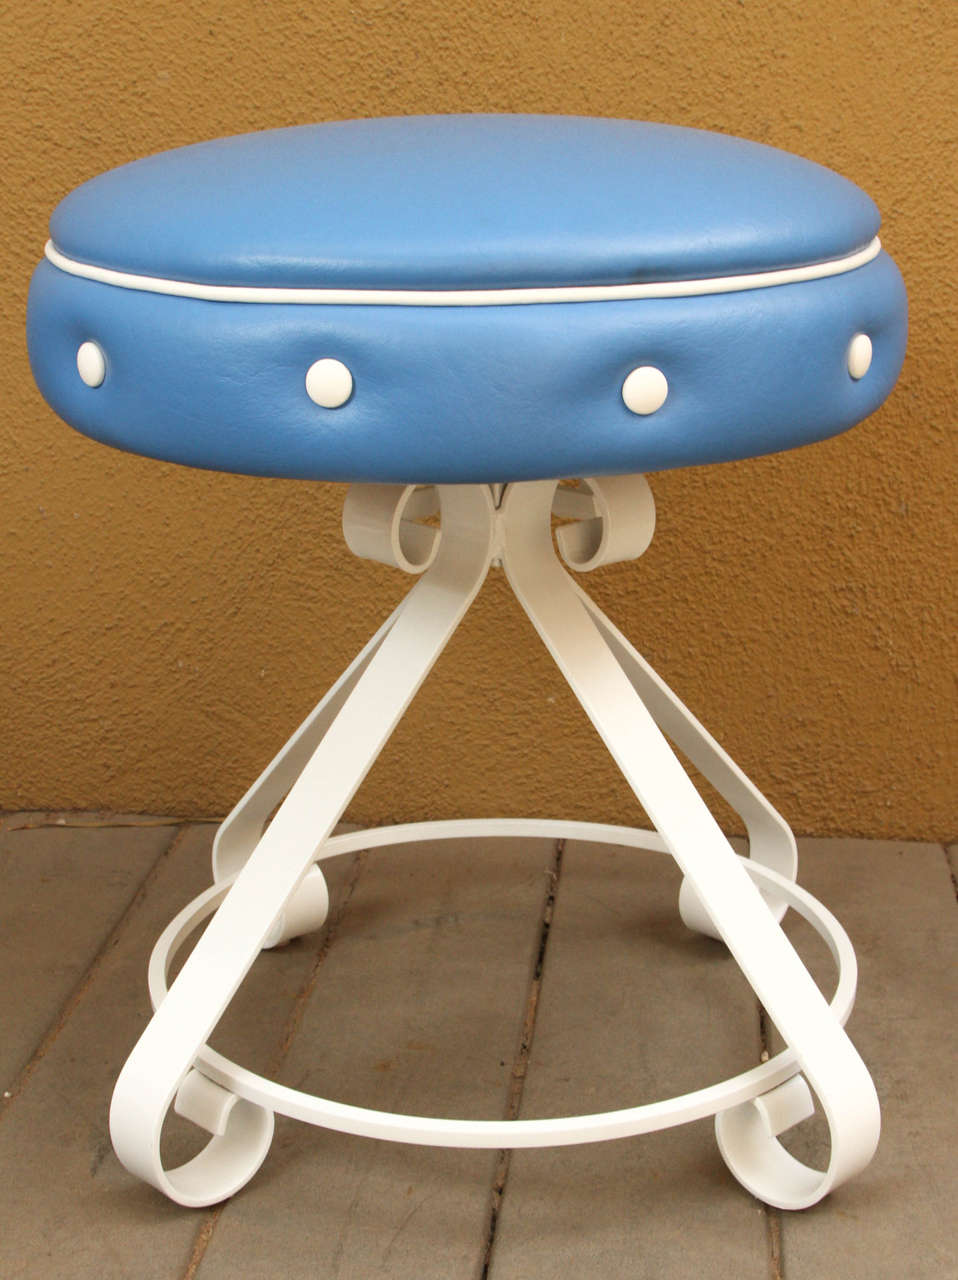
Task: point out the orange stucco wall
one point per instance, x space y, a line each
162 630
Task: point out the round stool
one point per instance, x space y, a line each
490 326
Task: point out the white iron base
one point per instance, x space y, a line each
268 887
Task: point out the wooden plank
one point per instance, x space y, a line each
898 1217
418 1008
64 889
70 1210
633 1008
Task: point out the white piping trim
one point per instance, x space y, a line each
463 297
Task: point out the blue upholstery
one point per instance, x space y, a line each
465 393
464 201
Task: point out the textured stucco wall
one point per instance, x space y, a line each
161 630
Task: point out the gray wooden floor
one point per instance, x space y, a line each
489 979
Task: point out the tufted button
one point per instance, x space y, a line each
859 355
91 364
503 351
329 383
645 389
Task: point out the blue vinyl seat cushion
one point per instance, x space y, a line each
479 289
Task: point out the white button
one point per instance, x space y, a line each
329 383
91 364
859 355
645 389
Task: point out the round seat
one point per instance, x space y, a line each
465 299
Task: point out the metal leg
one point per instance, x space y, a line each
770 839
381 519
161 1064
614 518
736 909
242 829
380 522
268 886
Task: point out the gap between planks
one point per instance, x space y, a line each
211 1217
520 1063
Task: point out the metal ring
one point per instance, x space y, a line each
425 1130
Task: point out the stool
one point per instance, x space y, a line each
461 315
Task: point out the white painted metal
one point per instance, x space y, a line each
614 520
241 831
259 875
383 522
204 1102
375 703
733 904
305 911
770 839
396 507
758 1082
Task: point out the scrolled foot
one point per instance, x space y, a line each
241 1136
693 912
696 917
748 1138
306 910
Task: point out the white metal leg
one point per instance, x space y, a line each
242 829
560 1131
735 907
268 886
770 839
379 519
168 1048
614 520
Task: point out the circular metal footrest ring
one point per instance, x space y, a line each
734 1097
